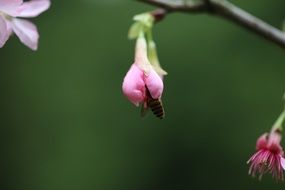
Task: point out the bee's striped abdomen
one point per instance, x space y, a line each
156 107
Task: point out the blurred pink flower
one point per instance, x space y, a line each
142 78
268 157
24 29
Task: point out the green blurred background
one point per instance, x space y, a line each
65 124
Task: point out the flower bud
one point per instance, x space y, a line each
141 77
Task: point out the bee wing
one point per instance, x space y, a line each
144 109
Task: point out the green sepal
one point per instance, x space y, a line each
135 30
145 18
143 23
153 59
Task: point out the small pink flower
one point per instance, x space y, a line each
142 78
268 157
25 30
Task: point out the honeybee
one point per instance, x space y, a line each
154 104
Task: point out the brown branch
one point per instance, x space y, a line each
176 6
225 10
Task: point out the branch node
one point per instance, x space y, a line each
159 14
209 8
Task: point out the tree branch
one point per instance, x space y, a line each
225 10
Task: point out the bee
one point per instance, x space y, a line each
155 105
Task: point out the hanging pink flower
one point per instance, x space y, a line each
27 32
268 157
142 78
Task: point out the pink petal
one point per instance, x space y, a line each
274 138
33 8
262 142
3 32
27 32
9 6
134 86
154 84
10 2
283 163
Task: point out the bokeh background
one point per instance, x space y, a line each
65 124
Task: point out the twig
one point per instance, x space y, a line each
226 10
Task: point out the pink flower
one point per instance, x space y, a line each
268 156
25 30
142 78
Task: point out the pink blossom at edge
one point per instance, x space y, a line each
268 157
27 32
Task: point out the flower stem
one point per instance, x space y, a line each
278 123
149 36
